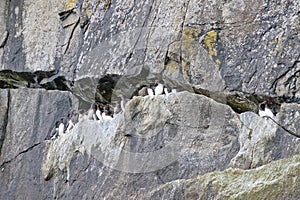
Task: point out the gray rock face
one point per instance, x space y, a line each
263 140
162 137
236 184
243 46
224 57
29 117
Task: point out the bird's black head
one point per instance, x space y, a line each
262 106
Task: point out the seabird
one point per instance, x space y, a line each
150 92
61 127
159 88
54 133
70 124
94 112
98 112
166 91
106 116
265 111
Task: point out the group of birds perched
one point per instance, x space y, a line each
64 125
98 113
157 89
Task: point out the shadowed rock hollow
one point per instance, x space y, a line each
203 142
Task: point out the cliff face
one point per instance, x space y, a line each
203 142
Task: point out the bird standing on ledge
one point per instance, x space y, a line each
159 89
265 111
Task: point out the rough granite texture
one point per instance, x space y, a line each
204 142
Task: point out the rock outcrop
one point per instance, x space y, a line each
238 184
203 142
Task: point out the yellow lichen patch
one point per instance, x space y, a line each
172 68
210 42
69 4
189 42
191 32
189 48
107 4
85 8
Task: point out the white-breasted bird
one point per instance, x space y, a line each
54 132
70 124
166 91
150 92
265 111
159 88
106 116
98 112
61 127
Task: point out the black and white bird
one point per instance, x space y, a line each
54 132
70 124
106 116
98 112
94 112
150 92
265 111
159 88
61 127
166 91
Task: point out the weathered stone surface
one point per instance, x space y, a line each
277 180
30 116
262 141
248 46
238 53
3 115
163 137
289 117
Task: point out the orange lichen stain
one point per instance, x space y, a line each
210 42
70 4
